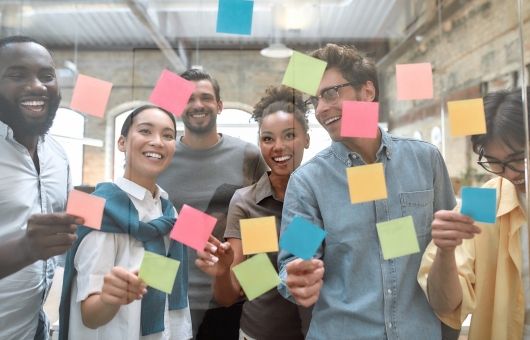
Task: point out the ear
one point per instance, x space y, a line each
121 144
219 106
307 139
368 92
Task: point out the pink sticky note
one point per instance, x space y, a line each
414 81
359 119
91 95
87 206
172 92
193 227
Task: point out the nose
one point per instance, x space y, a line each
156 141
322 106
278 145
510 174
35 86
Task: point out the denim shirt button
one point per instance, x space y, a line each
389 325
390 291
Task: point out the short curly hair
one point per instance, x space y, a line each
284 99
353 65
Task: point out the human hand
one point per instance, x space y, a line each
48 235
122 287
216 258
304 280
449 228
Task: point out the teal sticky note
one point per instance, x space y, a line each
398 237
479 203
235 16
256 276
302 238
304 73
159 271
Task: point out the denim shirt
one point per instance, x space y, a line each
364 296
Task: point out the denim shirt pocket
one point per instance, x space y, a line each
419 205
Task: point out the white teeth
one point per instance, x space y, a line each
153 155
331 120
33 103
519 182
281 159
198 116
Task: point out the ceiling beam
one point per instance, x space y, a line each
163 44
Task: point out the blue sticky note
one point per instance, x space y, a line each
302 238
479 204
235 16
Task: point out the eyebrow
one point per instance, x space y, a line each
23 68
517 153
151 125
285 130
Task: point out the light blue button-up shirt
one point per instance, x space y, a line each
24 192
364 296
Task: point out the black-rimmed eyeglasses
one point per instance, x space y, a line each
329 95
499 167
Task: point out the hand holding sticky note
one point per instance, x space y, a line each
256 276
235 16
359 119
193 227
259 235
398 237
479 204
302 238
414 81
159 271
172 92
90 95
304 73
366 183
87 206
466 117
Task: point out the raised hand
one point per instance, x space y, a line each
122 287
216 258
304 280
449 228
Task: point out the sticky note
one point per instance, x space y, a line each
479 204
259 235
304 73
193 227
366 183
302 238
172 92
91 95
398 237
159 271
256 276
234 16
414 81
466 117
87 206
359 119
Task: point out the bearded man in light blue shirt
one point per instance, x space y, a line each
34 185
357 294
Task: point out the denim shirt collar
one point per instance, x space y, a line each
346 155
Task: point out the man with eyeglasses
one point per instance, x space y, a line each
483 269
360 295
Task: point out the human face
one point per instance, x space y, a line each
200 114
29 93
329 115
149 146
282 142
497 151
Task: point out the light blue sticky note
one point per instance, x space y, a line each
302 238
479 204
235 16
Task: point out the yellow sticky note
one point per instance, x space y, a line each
259 235
466 117
366 183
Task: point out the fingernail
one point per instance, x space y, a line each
143 285
213 249
223 246
215 259
211 264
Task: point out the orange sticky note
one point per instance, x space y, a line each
366 183
91 95
172 92
359 119
414 81
466 117
259 235
87 206
193 227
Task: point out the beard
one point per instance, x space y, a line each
12 117
200 129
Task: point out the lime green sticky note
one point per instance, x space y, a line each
398 237
256 276
304 73
159 271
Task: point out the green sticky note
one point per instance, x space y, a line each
256 276
398 237
304 73
159 271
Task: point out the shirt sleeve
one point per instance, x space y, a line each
236 212
444 196
465 259
299 201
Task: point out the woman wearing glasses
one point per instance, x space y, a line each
483 269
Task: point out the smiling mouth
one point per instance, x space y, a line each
33 105
281 159
199 115
331 120
519 182
153 155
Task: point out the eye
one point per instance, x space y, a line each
146 131
48 77
16 76
289 135
169 136
266 139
